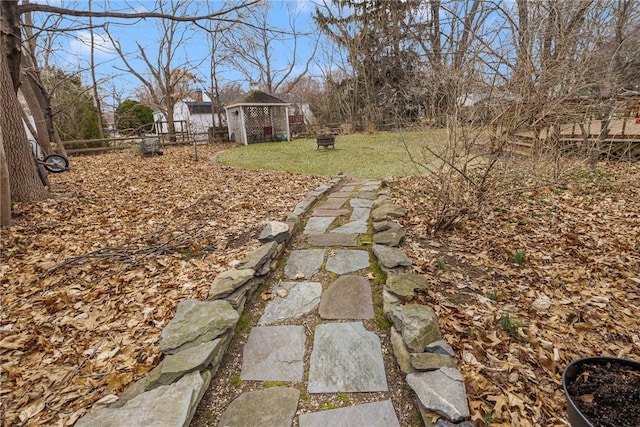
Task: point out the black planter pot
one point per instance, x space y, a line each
577 418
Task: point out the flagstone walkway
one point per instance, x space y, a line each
317 333
340 340
326 271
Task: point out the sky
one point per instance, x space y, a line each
72 49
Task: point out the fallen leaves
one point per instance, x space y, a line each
91 276
576 289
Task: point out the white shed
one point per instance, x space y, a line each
258 117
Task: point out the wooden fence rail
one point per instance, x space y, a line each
94 146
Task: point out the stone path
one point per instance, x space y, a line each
327 273
340 342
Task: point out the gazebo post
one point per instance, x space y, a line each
286 120
245 141
230 124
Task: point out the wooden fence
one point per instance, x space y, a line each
106 145
612 129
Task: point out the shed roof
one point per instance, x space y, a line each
199 107
256 97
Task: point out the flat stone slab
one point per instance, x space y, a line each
405 284
333 203
332 239
400 351
387 210
370 187
340 195
343 261
431 361
375 414
360 214
379 226
441 391
177 365
418 325
302 297
358 227
391 257
380 200
318 224
349 188
348 297
258 257
228 281
305 261
346 358
366 195
390 237
274 231
169 405
273 406
197 322
274 353
321 189
360 203
329 212
440 347
302 207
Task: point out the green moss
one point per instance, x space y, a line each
327 406
377 286
344 398
416 419
235 380
245 323
304 394
269 384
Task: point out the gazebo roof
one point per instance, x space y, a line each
256 97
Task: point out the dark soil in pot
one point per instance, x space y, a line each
607 394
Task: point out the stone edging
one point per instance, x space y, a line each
417 343
196 339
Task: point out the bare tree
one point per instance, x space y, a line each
257 50
166 82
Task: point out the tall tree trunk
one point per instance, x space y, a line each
11 43
171 125
5 189
36 108
23 179
40 104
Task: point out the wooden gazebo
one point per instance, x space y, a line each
258 117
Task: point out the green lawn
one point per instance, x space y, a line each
363 155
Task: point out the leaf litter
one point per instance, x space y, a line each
577 289
92 275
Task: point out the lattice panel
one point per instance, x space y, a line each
260 118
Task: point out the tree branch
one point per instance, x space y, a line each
39 7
